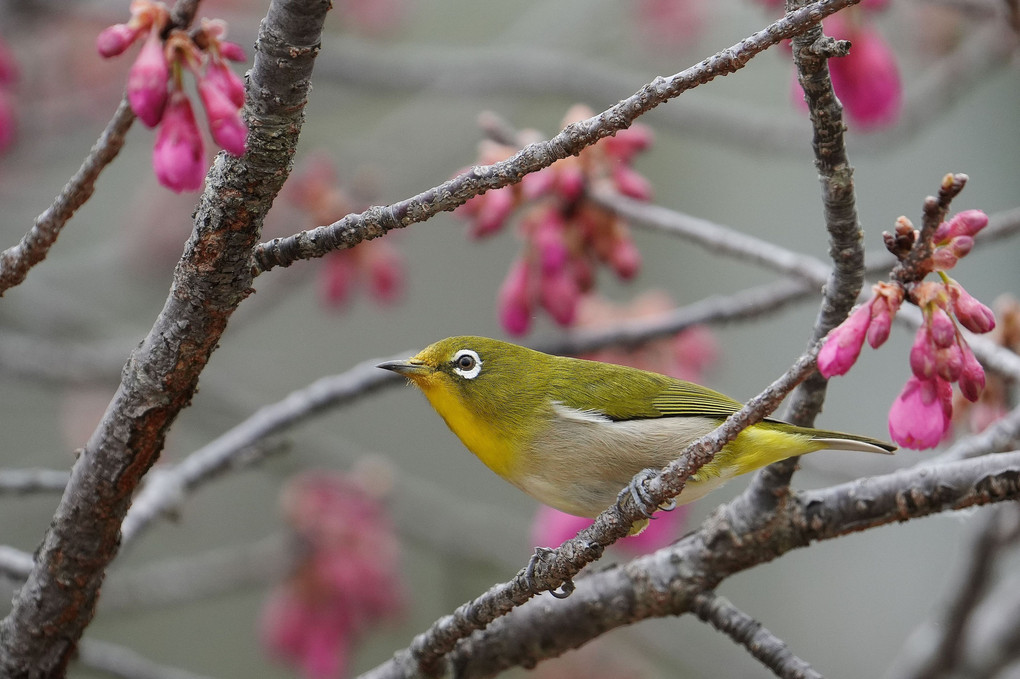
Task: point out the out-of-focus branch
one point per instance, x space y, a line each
164 490
733 539
749 633
39 358
531 71
120 661
33 480
38 637
938 648
377 221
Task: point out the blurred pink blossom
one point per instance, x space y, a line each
867 81
345 581
551 527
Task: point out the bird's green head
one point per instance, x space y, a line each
483 372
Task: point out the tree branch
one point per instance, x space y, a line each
748 632
38 637
377 221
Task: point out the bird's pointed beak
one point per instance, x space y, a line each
408 368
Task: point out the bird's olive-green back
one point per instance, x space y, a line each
522 381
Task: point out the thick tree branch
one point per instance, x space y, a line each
733 539
377 221
38 637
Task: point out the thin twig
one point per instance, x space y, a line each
17 260
377 221
752 635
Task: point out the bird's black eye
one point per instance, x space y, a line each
467 364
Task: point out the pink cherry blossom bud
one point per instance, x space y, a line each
943 332
547 229
232 51
339 274
844 342
922 355
881 322
966 223
949 362
625 144
228 130
386 273
917 418
113 40
560 294
630 183
867 81
943 259
625 258
874 5
972 377
971 313
147 81
514 299
961 245
179 154
494 208
226 80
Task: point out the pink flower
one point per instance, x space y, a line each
147 81
228 130
972 376
966 223
515 300
226 80
971 313
922 354
340 272
559 294
920 416
345 579
867 80
630 183
844 342
179 156
113 40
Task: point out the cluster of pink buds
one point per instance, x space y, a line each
8 74
346 579
316 191
566 235
156 94
921 415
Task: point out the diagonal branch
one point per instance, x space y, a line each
377 221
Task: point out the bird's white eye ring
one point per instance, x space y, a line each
467 364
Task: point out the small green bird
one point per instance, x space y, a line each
572 433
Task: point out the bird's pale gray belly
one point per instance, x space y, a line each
580 464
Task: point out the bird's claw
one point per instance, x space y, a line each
645 504
541 553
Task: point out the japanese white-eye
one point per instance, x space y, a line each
572 433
